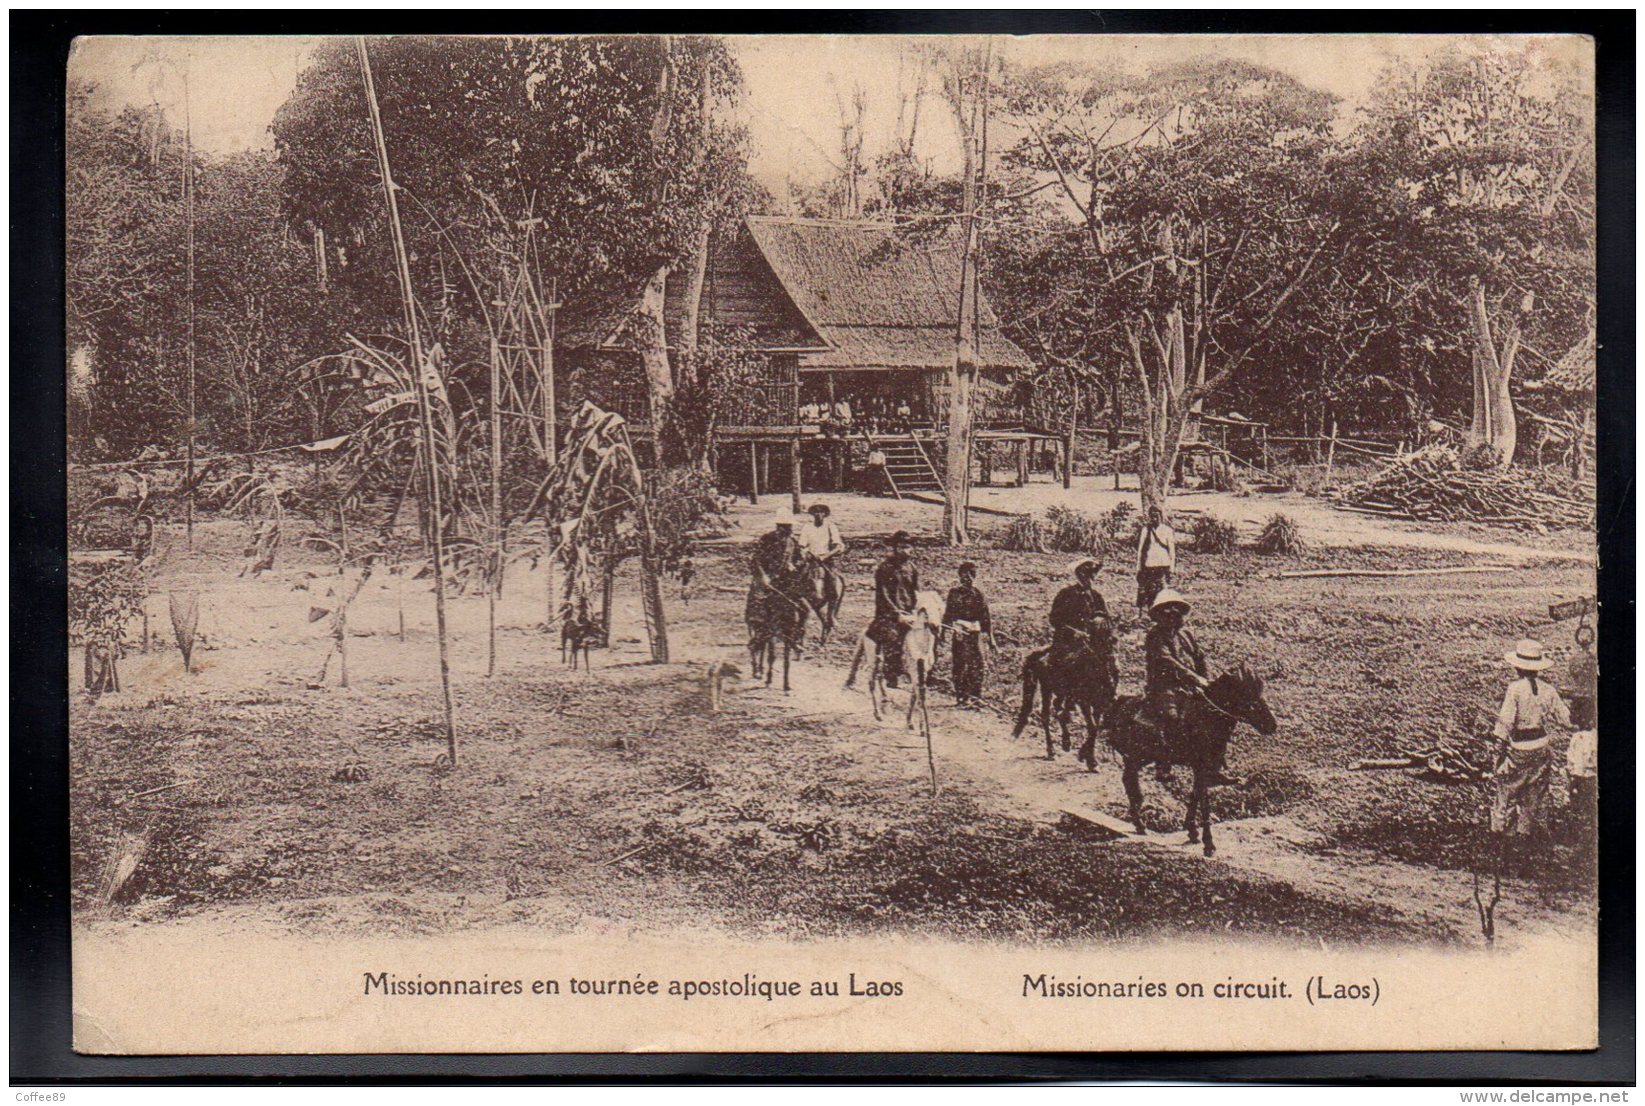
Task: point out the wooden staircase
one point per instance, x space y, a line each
907 465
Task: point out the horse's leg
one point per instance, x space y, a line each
786 647
874 690
769 648
1062 719
1088 751
1202 785
1133 792
1029 687
1045 716
856 663
1191 823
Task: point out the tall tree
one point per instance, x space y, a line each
615 142
1495 150
1195 190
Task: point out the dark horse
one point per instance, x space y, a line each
824 588
1086 678
1199 743
775 613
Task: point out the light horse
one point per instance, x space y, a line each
1199 743
1088 679
919 652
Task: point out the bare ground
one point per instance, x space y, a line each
616 801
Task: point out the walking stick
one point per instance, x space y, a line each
925 724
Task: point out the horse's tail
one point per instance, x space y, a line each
1030 684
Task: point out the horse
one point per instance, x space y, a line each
774 613
1087 679
1199 743
919 650
578 634
825 591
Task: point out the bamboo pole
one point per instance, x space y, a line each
551 444
1073 433
188 217
495 584
343 597
1331 453
794 475
420 387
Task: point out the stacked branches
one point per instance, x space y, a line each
1437 484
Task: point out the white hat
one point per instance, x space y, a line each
783 518
1527 656
1168 597
1074 568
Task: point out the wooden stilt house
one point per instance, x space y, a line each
854 324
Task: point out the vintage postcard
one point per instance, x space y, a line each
762 543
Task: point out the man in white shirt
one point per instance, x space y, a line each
876 472
1519 804
1156 557
820 541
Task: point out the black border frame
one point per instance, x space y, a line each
39 994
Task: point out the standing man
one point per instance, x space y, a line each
1156 557
967 617
1522 781
896 581
876 471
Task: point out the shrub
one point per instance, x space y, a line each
1025 533
1071 531
104 597
1120 525
1225 479
1281 535
1215 535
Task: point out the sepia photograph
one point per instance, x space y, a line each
832 542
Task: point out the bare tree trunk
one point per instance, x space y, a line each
1493 421
962 378
653 342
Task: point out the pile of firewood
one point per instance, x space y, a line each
1435 484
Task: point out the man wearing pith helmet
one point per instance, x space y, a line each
1175 662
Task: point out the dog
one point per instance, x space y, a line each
719 673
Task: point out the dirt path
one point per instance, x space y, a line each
1324 525
975 754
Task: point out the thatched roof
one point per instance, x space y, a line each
878 299
842 295
1574 373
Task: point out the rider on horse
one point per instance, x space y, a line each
896 584
1176 663
821 542
775 563
1079 616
